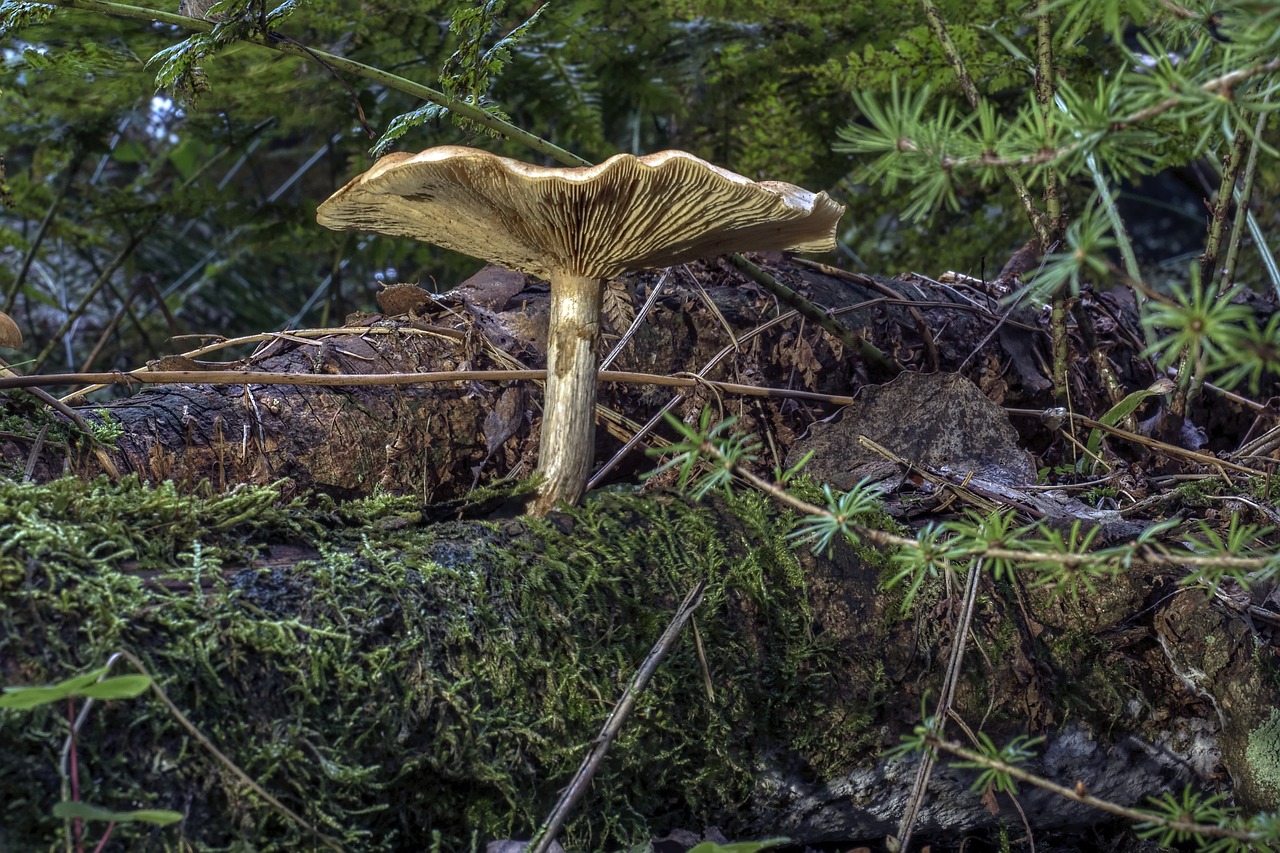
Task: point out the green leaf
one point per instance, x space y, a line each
88 685
29 697
67 810
189 155
129 151
24 698
120 687
1123 409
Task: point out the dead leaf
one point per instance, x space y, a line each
174 362
493 287
617 308
988 799
396 299
503 419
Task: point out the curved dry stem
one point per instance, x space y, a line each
566 447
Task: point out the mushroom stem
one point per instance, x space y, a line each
569 406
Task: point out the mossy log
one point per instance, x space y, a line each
406 683
410 685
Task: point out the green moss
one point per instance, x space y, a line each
25 416
1093 683
406 681
1006 634
106 429
1266 489
1194 493
1263 754
1098 494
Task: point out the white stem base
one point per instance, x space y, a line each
567 446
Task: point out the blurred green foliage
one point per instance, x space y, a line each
204 193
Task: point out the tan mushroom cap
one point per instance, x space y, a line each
10 334
627 213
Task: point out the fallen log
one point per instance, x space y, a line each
430 440
402 685
391 679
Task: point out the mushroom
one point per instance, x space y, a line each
577 228
10 334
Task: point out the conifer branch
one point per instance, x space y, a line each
1222 86
939 29
1080 794
340 63
1021 548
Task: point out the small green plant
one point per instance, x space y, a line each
1191 817
95 685
1122 410
731 449
106 429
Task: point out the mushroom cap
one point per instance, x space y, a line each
627 213
10 334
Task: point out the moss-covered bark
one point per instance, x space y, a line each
399 685
410 684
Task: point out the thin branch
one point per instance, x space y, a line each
1080 794
1148 552
49 400
1060 343
223 759
1123 243
75 313
939 29
724 353
1045 90
869 352
1232 163
239 377
1243 196
919 787
11 298
636 324
577 788
949 50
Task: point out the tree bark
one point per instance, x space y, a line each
430 440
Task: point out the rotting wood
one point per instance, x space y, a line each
428 440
